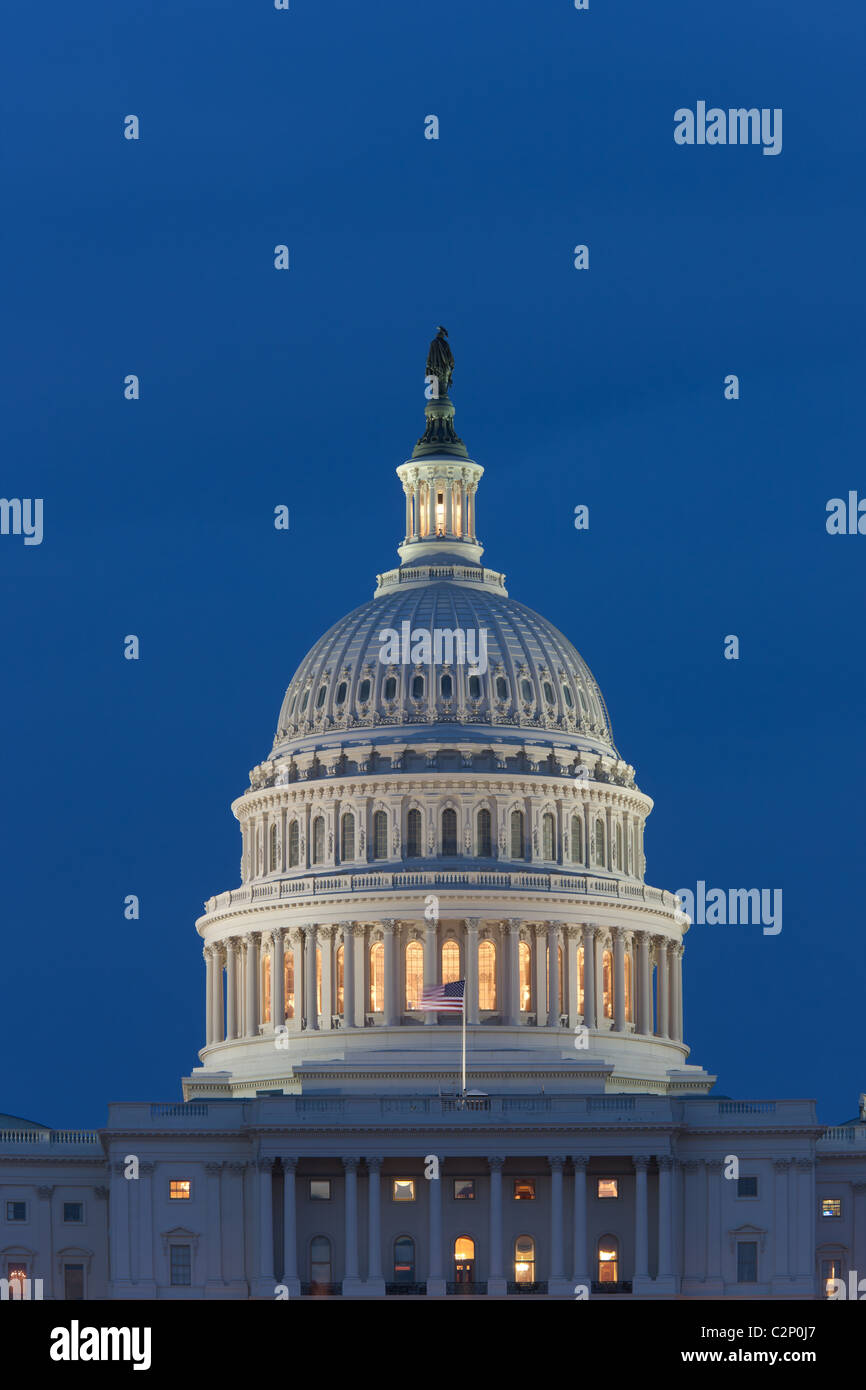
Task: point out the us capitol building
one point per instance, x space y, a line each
443 801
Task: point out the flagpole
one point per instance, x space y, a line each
463 1011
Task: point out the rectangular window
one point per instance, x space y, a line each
73 1213
320 1189
747 1187
464 1189
181 1265
16 1211
747 1262
524 1189
608 1187
73 1282
403 1190
831 1206
179 1189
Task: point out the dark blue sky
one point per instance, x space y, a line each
603 387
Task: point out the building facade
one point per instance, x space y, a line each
443 801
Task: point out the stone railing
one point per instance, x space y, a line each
401 880
844 1134
88 1137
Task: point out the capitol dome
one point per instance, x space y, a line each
443 802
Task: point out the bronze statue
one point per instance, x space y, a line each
440 360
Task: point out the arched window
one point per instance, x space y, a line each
608 1260
524 961
599 842
518 842
450 962
340 697
501 688
449 831
486 975
289 981
389 690
446 687
417 687
464 1260
294 845
377 977
547 836
524 1260
577 839
629 1011
548 693
581 997
413 834
607 983
320 1264
340 995
619 863
347 835
266 988
363 692
404 1260
274 848
304 701
414 974
569 698
485 838
319 840
475 687
527 692
320 698
380 835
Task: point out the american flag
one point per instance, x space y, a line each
446 999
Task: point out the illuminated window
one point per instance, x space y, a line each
403 1190
266 989
524 1189
629 1010
413 834
464 1260
524 965
450 962
487 975
446 687
440 513
747 1187
608 1260
16 1274
274 849
547 836
380 835
831 1270
449 831
320 1263
179 1189
831 1206
580 994
294 845
475 687
16 1211
524 1260
347 833
363 692
414 974
608 1187
404 1260
576 840
318 840
501 688
747 1262
599 842
485 837
377 977
464 1189
340 995
180 1265
518 842
73 1213
320 1189
289 982
607 983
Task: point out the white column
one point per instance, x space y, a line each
470 968
641 1222
252 983
512 927
644 992
678 990
781 1168
311 994
539 931
214 1225
715 1181
374 1227
266 1228
581 1267
358 942
557 1270
572 933
666 1165
388 928
232 988
210 972
495 1279
118 1226
590 1016
662 991
219 1012
326 938
431 967
619 979
290 1239
348 974
296 946
435 1275
553 938
350 1279
145 1244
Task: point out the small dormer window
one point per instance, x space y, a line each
320 698
390 689
305 700
417 687
447 687
501 688
364 692
568 697
340 698
548 692
475 687
527 691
